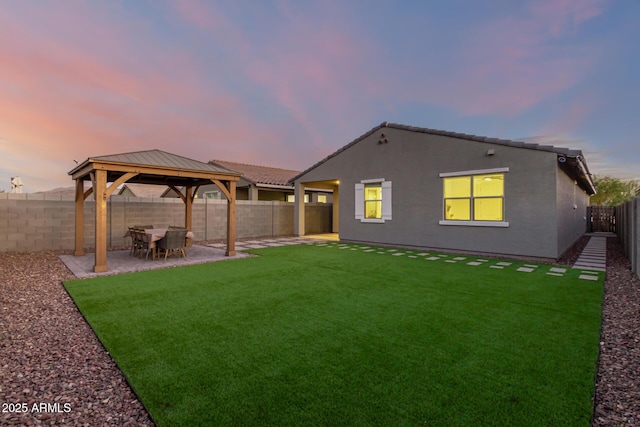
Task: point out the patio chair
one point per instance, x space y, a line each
143 245
134 242
173 242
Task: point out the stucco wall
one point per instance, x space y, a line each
571 211
413 162
30 222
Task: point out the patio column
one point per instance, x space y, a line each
231 219
99 191
298 213
79 250
335 226
253 192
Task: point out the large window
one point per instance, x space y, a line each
373 200
474 197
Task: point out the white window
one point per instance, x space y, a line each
322 198
373 200
474 198
291 198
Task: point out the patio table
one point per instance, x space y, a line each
156 234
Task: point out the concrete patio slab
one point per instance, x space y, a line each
121 262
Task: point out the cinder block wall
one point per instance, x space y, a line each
32 222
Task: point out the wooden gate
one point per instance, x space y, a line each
601 218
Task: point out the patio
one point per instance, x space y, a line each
122 262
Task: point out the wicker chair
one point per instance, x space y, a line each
173 242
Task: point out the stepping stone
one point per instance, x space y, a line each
474 263
370 250
555 274
460 258
590 272
423 254
587 277
450 260
382 253
256 246
526 269
504 264
392 250
412 256
398 254
482 260
433 258
557 270
354 249
496 266
531 266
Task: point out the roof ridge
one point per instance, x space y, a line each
250 164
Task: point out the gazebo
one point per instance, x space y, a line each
146 167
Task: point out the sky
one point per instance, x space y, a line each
286 83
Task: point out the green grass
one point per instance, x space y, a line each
310 335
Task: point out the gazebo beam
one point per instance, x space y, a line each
188 210
100 189
79 251
231 219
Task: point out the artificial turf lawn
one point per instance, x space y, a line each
310 335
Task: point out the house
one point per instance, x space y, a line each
145 190
424 188
263 183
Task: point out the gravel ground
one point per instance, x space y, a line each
54 370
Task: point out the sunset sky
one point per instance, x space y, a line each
285 83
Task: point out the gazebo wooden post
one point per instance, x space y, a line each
79 250
188 210
99 191
231 219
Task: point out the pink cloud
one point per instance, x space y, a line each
64 100
564 15
313 70
197 13
513 63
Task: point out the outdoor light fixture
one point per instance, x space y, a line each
491 152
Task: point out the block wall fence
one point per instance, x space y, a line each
628 231
33 222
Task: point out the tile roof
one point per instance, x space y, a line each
144 190
259 174
582 174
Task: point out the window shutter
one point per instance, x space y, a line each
359 201
386 200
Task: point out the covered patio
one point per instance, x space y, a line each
107 173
